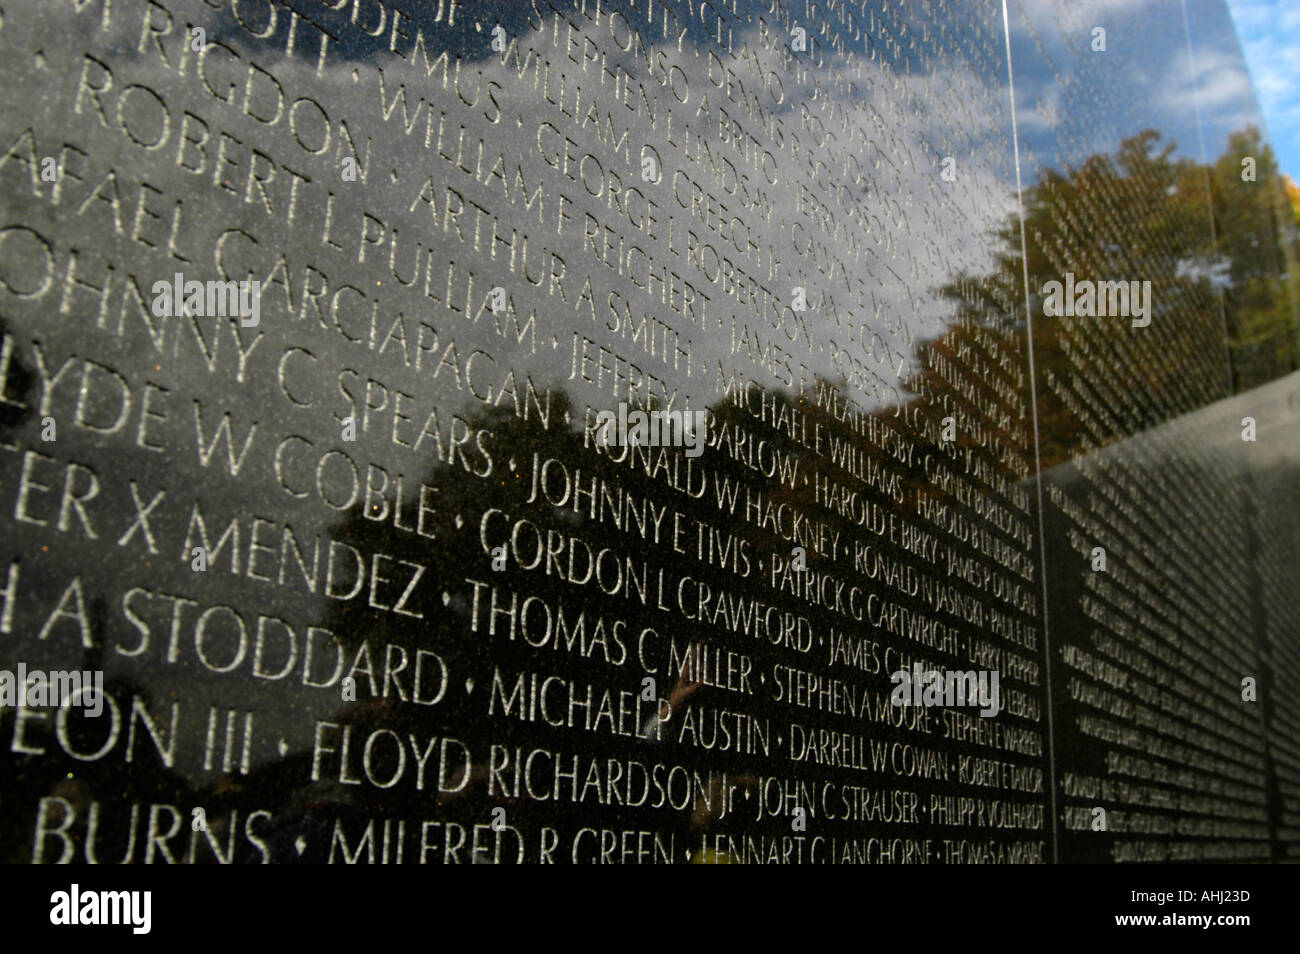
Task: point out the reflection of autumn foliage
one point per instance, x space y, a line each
1138 215
737 559
1292 196
1248 218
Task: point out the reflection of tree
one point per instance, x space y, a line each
1292 199
1141 214
17 398
457 554
110 797
1248 218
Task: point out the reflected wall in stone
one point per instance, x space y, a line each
364 577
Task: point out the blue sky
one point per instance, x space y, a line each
1270 38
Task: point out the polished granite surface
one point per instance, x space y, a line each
619 397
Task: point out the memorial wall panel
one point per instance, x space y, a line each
641 432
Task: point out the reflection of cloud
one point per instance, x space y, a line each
1216 78
1095 12
1073 103
901 225
862 241
1270 31
1216 272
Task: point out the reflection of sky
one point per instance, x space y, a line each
951 109
1073 101
1270 36
895 125
909 116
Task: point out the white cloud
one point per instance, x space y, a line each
1269 31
